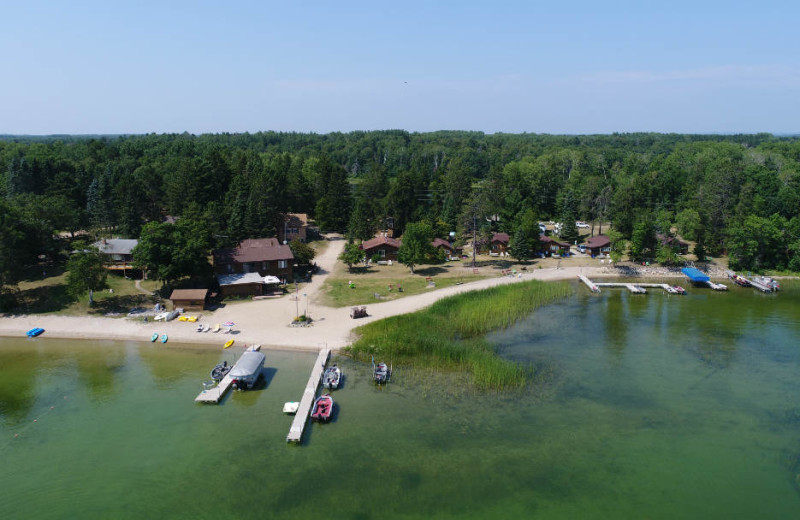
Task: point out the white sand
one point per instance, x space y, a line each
266 322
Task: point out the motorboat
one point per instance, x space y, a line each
248 369
323 409
220 371
772 283
161 316
332 377
381 372
676 289
291 407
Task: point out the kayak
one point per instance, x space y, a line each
164 338
228 344
154 337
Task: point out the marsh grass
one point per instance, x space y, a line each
449 335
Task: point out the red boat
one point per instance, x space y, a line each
323 409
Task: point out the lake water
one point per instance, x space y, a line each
649 406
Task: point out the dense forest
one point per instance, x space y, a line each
734 194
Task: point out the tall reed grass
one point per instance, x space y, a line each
450 334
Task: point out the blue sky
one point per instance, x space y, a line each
313 66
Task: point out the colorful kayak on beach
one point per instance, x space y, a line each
164 338
154 337
34 332
228 344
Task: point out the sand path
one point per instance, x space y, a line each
267 322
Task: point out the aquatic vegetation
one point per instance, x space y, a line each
449 335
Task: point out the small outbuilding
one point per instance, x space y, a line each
192 299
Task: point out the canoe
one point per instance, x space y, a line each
228 344
164 338
154 337
34 332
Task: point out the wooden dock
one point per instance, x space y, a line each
591 285
213 395
309 395
634 288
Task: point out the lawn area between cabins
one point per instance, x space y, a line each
377 279
449 335
50 295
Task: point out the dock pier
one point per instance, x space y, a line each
213 395
634 288
309 395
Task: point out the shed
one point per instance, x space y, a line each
189 298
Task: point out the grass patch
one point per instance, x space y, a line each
337 293
50 295
449 335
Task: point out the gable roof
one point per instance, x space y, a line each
116 246
372 243
188 294
500 237
296 219
598 241
544 239
439 242
254 250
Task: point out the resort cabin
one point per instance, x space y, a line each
597 246
189 299
119 252
498 246
452 252
295 226
677 245
551 246
383 246
262 256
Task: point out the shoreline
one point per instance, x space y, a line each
266 322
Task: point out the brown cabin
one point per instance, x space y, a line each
265 256
550 246
599 245
295 226
451 250
385 247
190 299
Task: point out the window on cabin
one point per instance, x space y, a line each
281 264
382 252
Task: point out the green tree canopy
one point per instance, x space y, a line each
417 247
169 252
302 252
86 271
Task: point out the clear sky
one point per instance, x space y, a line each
319 66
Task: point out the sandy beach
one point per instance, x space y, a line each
267 322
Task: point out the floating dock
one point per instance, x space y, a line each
697 277
591 285
310 393
635 288
213 395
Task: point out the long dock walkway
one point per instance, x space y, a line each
310 393
213 395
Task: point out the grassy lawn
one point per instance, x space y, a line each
376 279
50 295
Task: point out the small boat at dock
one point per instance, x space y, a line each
332 377
34 332
323 409
676 289
220 371
290 408
771 283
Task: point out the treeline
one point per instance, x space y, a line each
738 193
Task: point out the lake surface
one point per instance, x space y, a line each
648 406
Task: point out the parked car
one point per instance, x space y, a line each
582 224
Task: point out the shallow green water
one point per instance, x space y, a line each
644 407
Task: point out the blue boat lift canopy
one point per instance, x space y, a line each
695 275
